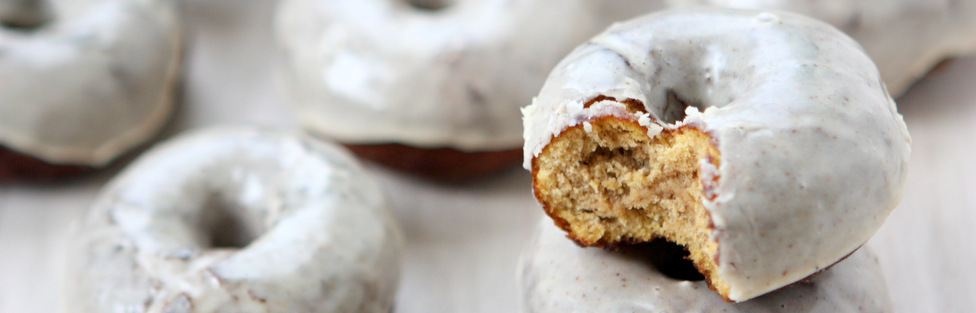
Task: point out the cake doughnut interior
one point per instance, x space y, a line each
611 183
720 130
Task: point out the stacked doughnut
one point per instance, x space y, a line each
764 143
237 220
717 130
82 82
557 276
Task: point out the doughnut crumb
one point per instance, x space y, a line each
611 183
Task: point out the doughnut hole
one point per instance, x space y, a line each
614 184
224 224
430 5
674 111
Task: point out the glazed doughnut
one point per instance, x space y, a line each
430 75
905 38
82 82
763 142
237 220
557 276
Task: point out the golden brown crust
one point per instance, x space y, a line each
16 166
441 164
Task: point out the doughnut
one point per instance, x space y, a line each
236 220
763 142
557 276
441 75
82 82
905 38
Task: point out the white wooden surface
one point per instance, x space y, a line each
463 240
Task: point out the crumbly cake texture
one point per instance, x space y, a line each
555 275
720 130
236 220
608 182
114 66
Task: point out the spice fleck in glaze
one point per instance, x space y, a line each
237 220
806 157
428 74
557 276
83 81
905 38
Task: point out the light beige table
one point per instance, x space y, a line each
463 241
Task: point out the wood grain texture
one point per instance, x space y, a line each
463 241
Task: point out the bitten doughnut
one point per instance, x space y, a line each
417 76
557 276
237 220
905 38
82 82
763 142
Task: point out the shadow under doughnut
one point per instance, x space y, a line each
439 164
16 166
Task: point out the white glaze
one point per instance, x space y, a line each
95 80
814 153
905 38
555 275
325 239
380 71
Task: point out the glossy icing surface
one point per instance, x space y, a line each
452 77
814 153
237 220
905 38
555 275
92 80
